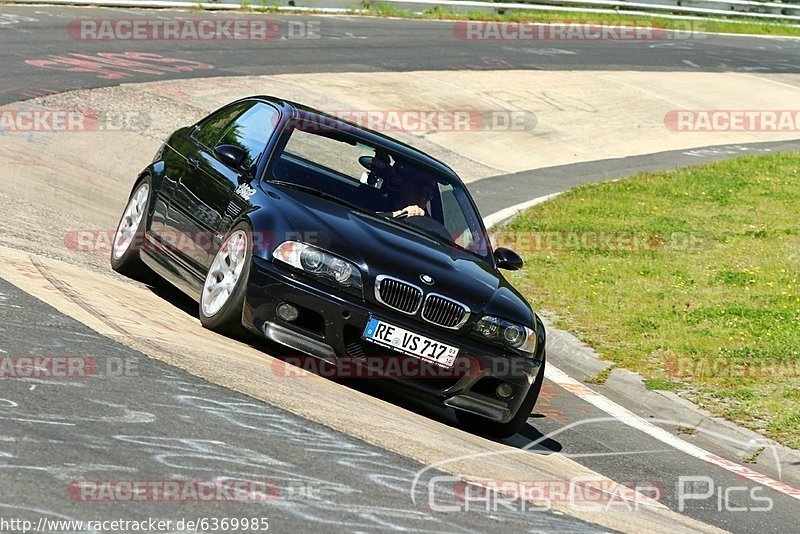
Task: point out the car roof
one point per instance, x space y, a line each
371 136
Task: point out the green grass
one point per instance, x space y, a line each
659 384
370 8
707 304
747 26
601 377
753 458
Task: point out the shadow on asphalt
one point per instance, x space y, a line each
174 296
528 437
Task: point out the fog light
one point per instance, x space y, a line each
288 312
504 390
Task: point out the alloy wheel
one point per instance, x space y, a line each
131 219
224 273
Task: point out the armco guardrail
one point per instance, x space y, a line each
733 10
723 8
671 8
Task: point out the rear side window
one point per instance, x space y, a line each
211 130
251 131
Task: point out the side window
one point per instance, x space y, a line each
212 129
454 219
251 131
328 153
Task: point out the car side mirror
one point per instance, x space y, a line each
508 259
231 155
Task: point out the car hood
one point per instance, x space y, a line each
380 247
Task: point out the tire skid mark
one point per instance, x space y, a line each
73 296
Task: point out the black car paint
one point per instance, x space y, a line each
272 285
365 240
196 203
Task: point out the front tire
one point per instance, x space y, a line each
224 289
129 237
480 425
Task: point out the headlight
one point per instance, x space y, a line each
319 263
512 335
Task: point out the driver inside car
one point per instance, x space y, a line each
412 197
409 192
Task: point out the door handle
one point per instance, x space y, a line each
193 163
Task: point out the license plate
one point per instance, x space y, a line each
408 342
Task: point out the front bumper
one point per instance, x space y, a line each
330 328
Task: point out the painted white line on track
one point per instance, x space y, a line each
629 418
507 213
625 416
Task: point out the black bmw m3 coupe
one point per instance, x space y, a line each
340 244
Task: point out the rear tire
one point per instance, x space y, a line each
222 298
482 426
129 237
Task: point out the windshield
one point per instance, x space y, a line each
337 163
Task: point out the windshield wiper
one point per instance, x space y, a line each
427 233
317 192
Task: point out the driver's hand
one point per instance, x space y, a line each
409 211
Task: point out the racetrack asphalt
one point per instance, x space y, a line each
113 428
348 44
168 407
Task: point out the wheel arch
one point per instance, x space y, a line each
269 226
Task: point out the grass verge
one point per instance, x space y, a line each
688 277
744 26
